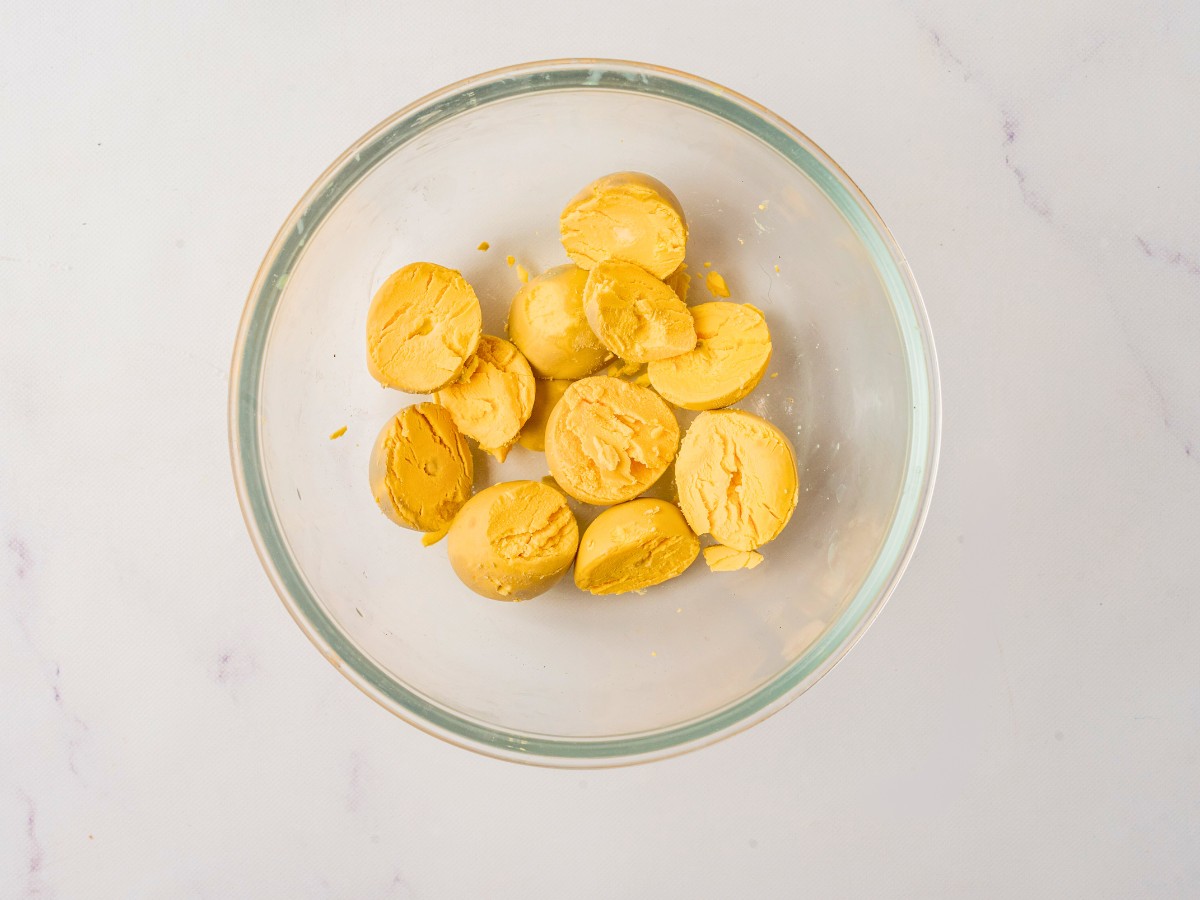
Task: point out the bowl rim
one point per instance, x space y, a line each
908 516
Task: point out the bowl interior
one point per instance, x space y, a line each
568 667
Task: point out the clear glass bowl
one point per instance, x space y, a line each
569 679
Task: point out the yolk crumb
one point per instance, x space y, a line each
432 537
716 284
337 434
725 559
483 246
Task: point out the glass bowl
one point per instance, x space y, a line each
569 679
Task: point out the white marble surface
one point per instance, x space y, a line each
1024 718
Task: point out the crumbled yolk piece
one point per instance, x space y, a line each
432 537
725 559
484 246
511 260
337 434
523 274
716 284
